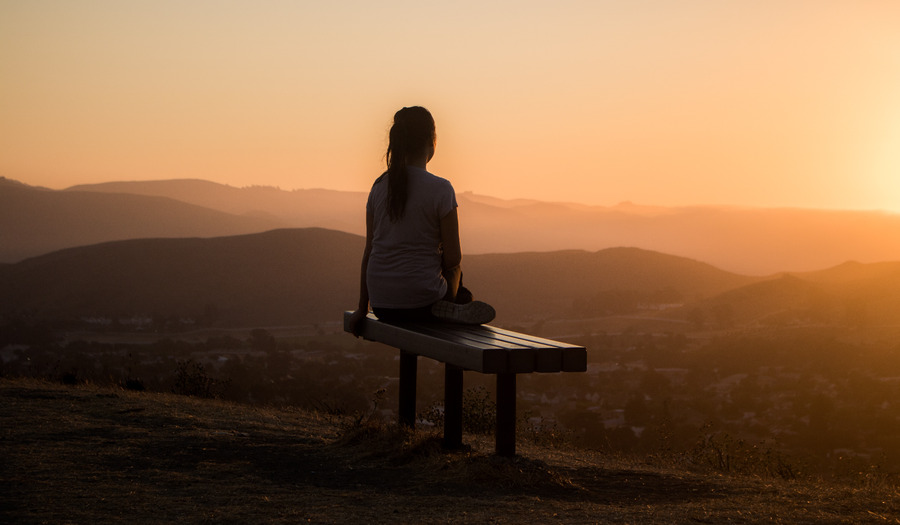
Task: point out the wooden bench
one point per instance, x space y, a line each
484 349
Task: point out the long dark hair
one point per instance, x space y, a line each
412 132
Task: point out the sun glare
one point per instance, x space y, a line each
885 167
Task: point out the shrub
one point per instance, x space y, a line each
721 452
191 380
479 412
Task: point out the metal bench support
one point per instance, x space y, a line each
408 372
506 415
453 398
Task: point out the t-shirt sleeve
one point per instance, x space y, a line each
447 201
370 201
369 206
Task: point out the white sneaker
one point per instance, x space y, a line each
476 312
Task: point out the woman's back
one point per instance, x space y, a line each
405 264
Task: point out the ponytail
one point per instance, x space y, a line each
412 132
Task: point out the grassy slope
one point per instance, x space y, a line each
86 455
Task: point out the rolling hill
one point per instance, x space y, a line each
851 294
302 276
281 276
549 284
35 221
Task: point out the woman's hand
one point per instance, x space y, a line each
356 321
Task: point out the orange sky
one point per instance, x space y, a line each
760 103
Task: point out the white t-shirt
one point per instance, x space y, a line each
405 264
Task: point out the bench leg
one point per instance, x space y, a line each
506 415
407 408
453 396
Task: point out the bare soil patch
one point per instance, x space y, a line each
84 454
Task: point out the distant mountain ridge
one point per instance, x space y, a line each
755 241
35 221
318 208
309 276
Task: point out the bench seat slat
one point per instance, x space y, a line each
486 360
480 348
573 358
550 356
501 336
478 338
529 339
490 333
450 336
519 359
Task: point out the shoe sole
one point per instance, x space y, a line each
476 312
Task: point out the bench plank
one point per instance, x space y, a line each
479 340
520 359
531 340
481 348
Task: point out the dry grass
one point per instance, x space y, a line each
88 455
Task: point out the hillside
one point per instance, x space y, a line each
305 276
35 221
277 277
167 458
755 241
551 285
851 294
334 210
308 276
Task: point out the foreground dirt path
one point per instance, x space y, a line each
88 455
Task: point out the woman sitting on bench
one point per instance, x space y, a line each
411 263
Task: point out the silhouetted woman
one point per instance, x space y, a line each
411 263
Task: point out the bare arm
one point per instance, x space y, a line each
362 308
452 253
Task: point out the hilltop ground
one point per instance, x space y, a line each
83 454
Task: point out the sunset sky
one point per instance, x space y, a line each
751 103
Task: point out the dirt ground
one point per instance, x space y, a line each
85 454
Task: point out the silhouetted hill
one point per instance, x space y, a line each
866 294
850 294
783 299
550 284
277 277
757 241
35 221
303 276
10 183
852 273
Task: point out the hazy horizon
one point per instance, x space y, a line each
762 104
747 240
625 202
